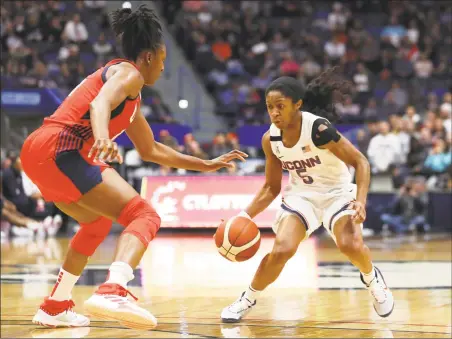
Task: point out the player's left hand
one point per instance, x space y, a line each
225 160
360 212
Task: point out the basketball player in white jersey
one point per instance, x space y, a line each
302 140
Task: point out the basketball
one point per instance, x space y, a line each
238 239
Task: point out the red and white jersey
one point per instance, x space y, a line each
73 115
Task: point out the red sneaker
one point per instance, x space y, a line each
53 313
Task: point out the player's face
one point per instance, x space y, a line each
281 109
156 67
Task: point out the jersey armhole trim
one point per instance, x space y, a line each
104 77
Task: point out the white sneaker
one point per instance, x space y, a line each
110 302
237 310
22 232
383 299
53 313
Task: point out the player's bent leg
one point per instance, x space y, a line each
350 242
56 310
116 199
290 233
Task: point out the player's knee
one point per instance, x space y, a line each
350 244
281 254
90 236
140 219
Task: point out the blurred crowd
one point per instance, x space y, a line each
55 44
397 53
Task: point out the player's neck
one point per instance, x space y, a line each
293 131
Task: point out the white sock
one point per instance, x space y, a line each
251 294
120 273
368 277
64 286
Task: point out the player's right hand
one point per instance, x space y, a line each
225 160
105 150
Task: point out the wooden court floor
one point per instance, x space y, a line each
185 284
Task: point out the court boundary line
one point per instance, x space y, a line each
263 320
242 324
38 328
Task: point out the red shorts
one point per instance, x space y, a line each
60 176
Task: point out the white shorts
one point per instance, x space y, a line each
317 209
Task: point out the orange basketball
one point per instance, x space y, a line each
238 239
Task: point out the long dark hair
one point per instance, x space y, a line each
320 95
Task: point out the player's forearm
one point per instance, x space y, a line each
362 179
100 118
166 156
262 200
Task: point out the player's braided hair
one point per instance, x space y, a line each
139 30
321 94
324 92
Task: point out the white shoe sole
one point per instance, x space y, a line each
128 319
43 319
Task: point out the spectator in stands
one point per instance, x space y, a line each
413 32
349 111
338 17
384 150
10 214
310 68
24 194
75 30
371 112
14 189
43 79
335 49
278 44
411 115
52 33
423 67
438 161
402 67
361 79
103 49
220 144
398 95
394 31
409 208
445 113
438 129
289 66
167 139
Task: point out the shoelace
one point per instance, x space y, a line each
115 289
59 306
378 291
239 301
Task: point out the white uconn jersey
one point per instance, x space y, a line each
312 170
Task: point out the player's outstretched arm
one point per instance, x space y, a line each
326 136
150 150
273 178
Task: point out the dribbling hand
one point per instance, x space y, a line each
225 160
105 150
360 212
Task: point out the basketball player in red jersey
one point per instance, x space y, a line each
67 159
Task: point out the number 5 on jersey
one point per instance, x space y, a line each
306 178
